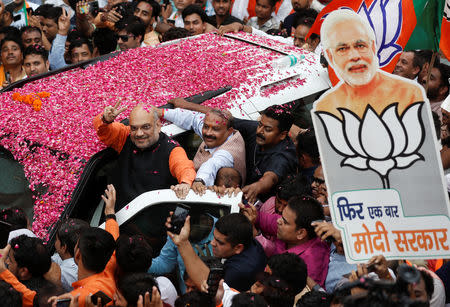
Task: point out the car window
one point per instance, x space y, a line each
150 222
14 187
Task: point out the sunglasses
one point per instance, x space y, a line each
318 180
124 38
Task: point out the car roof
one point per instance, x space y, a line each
152 198
55 143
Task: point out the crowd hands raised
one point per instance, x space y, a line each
99 267
281 249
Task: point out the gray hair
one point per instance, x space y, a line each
339 16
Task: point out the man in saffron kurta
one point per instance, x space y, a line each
148 159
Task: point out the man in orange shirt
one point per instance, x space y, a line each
94 255
148 159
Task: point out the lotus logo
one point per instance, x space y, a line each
375 142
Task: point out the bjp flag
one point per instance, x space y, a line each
393 22
444 44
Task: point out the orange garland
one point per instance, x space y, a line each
33 99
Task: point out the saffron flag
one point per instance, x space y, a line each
393 22
444 44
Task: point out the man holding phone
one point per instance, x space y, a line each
22 12
233 240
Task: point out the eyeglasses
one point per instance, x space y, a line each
318 180
124 38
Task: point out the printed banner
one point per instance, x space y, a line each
379 152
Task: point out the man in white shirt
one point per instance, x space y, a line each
222 145
66 239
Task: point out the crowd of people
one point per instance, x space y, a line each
281 249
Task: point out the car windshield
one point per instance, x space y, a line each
150 222
14 187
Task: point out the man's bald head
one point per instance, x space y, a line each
144 127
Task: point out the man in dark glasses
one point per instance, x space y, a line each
131 33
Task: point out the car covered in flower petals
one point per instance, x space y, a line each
51 159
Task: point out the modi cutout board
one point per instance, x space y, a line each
379 152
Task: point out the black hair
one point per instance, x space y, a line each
282 114
125 9
134 254
9 296
307 144
306 18
291 268
237 228
74 35
424 56
156 8
29 29
52 13
429 283
132 25
45 289
277 292
445 76
36 49
32 254
69 231
80 42
416 62
175 33
307 210
194 9
42 9
248 300
96 246
15 39
273 2
15 216
195 298
10 31
292 186
229 176
133 285
105 40
10 8
315 299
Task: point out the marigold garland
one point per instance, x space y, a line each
33 99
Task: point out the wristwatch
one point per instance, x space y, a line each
199 180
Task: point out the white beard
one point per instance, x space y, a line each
357 79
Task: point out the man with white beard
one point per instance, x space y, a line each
350 48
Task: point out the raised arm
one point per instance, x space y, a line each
109 132
197 270
183 103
